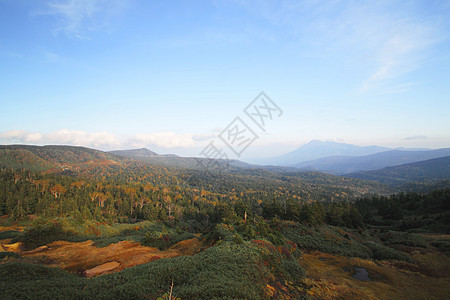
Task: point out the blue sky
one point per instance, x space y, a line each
171 75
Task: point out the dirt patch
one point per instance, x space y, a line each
10 247
83 256
107 267
38 249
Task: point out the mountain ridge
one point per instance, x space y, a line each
140 153
316 149
54 158
435 169
351 164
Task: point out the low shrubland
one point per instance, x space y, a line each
44 231
443 245
404 238
9 255
381 252
227 270
9 234
246 259
337 241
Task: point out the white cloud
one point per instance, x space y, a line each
164 140
34 137
104 140
416 137
204 137
20 136
13 134
77 17
81 138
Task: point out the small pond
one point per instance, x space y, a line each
361 274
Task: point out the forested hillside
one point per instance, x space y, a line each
422 175
79 181
202 235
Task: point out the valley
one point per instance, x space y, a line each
224 149
117 226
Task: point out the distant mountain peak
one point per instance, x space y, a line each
316 141
317 149
342 164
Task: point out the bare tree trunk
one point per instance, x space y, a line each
170 294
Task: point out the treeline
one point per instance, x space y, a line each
403 211
24 193
298 185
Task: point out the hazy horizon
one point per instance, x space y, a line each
246 158
171 77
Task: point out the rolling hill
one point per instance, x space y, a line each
166 160
80 162
428 171
171 160
351 164
54 158
136 153
141 153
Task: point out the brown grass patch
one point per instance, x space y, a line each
330 277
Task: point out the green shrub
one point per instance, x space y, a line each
221 232
44 233
9 234
404 238
28 281
327 242
165 238
443 245
224 271
382 252
238 239
281 261
8 255
331 240
292 269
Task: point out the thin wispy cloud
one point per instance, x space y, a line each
76 18
9 54
385 39
397 89
402 49
379 38
51 57
415 137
